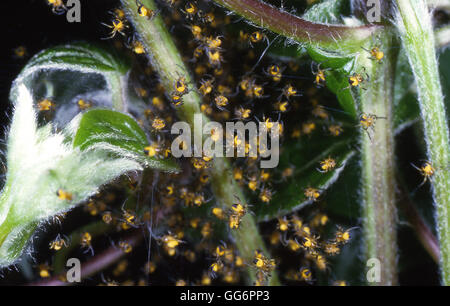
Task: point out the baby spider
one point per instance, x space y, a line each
283 224
357 79
221 102
58 6
319 75
375 53
152 149
59 242
45 105
118 26
180 86
275 72
242 113
367 121
327 165
265 195
234 221
176 99
206 86
86 242
215 57
331 248
426 170
170 241
44 270
190 9
281 106
340 283
305 275
335 130
309 242
144 11
262 263
343 236
83 105
215 268
312 194
257 37
289 91
20 52
125 247
158 123
64 195
136 46
239 209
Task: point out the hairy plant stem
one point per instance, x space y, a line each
378 178
119 91
415 27
332 37
166 60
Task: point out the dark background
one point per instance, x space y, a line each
32 24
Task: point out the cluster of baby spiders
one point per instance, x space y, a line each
237 81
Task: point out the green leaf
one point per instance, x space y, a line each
332 60
336 82
284 52
41 162
349 264
343 198
340 65
117 133
78 56
11 249
65 74
93 148
305 155
337 69
328 11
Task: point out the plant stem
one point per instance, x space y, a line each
334 37
97 263
421 228
166 60
94 229
119 91
378 166
415 27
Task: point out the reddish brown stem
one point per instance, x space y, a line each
96 264
267 16
422 230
